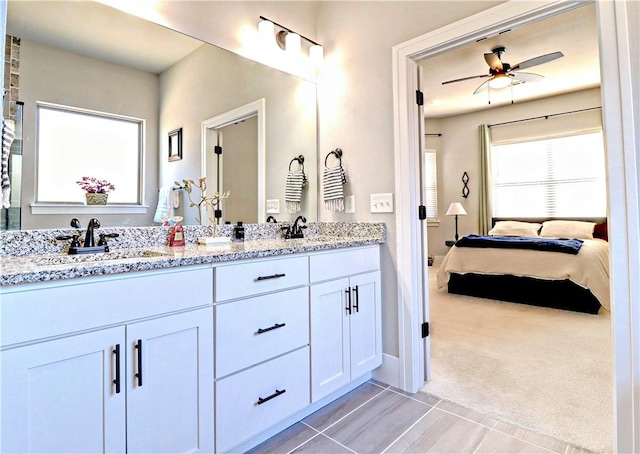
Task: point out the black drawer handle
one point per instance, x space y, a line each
116 381
348 308
272 396
138 375
273 276
356 305
271 328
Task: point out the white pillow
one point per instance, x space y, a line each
515 228
568 229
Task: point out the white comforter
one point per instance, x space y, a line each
589 268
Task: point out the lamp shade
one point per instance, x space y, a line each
499 81
456 208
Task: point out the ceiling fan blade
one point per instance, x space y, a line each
482 87
537 61
493 61
527 77
465 78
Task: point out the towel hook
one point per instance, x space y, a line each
337 153
300 160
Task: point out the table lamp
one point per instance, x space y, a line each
456 209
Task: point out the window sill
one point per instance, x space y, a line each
433 223
55 208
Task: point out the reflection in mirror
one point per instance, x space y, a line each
88 55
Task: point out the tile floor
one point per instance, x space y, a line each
375 418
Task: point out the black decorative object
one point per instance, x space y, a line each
465 182
175 145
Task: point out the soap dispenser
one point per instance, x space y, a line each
238 232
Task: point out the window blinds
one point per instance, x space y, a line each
431 185
555 177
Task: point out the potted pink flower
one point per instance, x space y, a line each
96 191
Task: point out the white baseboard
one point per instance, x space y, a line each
389 371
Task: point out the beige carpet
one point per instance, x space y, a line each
543 369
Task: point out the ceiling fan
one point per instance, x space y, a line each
502 74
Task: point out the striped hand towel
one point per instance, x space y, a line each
8 135
296 179
333 180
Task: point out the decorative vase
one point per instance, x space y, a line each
96 198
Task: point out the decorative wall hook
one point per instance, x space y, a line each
465 182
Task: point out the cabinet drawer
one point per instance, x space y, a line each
45 310
262 276
259 328
240 412
333 265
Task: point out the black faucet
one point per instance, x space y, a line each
271 219
296 230
88 238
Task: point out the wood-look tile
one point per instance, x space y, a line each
498 442
441 432
341 407
321 444
468 413
286 440
428 399
378 423
379 383
535 438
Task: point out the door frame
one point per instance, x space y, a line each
624 224
255 108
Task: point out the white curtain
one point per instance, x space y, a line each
486 211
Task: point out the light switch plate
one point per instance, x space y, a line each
350 204
381 203
273 206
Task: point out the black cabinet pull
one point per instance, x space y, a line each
348 308
138 375
356 304
271 328
116 381
262 400
273 276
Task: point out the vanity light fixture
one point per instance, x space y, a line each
289 40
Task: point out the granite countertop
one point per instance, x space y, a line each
52 267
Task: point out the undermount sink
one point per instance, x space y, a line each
105 256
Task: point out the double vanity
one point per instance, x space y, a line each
192 349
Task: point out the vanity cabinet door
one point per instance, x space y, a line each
365 324
329 338
170 384
60 396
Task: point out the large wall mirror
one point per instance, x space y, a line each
87 55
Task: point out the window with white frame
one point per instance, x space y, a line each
431 185
553 177
73 143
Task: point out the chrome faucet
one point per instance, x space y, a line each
89 241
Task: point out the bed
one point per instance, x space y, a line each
563 280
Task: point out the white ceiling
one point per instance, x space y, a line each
91 28
573 33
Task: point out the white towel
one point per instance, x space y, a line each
333 180
163 203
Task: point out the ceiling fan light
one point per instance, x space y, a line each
499 81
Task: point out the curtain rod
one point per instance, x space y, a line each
544 116
433 134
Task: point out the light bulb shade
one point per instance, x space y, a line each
293 43
316 54
499 81
456 208
266 30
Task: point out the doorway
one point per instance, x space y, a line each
619 143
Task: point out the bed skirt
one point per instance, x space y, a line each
558 294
